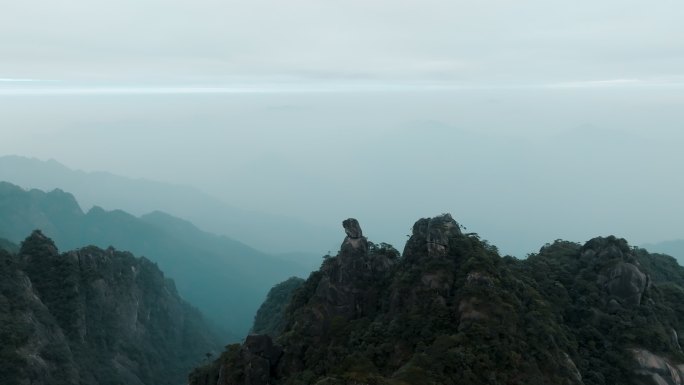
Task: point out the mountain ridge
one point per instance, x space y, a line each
451 310
673 247
201 263
272 233
94 317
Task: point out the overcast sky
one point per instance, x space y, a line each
528 120
218 42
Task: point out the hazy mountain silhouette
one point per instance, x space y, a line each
226 279
271 233
674 248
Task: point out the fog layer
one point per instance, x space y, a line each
521 166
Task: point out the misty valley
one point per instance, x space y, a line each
341 192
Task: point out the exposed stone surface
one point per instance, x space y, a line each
619 274
355 244
625 282
656 370
93 316
342 293
674 339
432 236
261 357
573 368
453 311
352 228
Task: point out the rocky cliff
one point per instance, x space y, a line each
93 316
451 310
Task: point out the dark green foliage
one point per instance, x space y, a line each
55 279
201 264
13 332
270 318
599 335
93 316
383 249
465 315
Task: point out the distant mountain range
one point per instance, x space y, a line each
674 248
224 278
275 234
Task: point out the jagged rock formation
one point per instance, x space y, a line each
619 273
93 316
450 310
431 236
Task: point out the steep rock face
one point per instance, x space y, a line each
431 236
427 318
654 369
94 316
619 275
347 287
625 325
452 311
33 348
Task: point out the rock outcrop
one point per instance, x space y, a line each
656 370
451 310
431 236
354 244
93 316
619 274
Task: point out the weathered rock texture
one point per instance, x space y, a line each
450 310
431 236
619 276
93 316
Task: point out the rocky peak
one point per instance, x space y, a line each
604 250
37 245
358 259
619 273
453 311
354 243
58 200
262 346
352 228
83 299
431 236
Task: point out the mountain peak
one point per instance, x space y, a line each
432 236
37 245
451 310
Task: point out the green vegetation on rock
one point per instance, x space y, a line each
222 277
93 317
270 318
451 310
